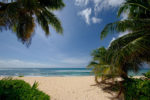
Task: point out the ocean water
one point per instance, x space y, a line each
54 72
45 72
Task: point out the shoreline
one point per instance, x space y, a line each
63 76
47 76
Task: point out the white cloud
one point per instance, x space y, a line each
111 41
120 35
81 2
96 20
123 33
124 15
86 14
100 5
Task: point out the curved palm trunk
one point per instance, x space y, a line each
124 76
96 79
124 72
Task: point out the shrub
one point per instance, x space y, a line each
13 89
147 75
137 89
20 76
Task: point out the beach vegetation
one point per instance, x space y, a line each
131 50
128 52
102 69
136 89
20 76
147 75
14 89
21 17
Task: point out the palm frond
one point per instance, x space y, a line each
136 8
20 16
122 26
52 4
129 50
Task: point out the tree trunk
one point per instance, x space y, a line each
96 80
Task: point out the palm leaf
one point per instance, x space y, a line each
20 16
122 26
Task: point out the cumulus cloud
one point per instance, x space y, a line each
96 20
100 5
81 2
86 14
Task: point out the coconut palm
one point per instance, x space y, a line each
21 17
101 68
130 51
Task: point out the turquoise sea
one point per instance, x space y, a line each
54 72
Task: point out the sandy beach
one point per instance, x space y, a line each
69 88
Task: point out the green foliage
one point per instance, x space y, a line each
20 76
147 75
20 90
135 8
131 50
100 67
21 17
35 85
137 89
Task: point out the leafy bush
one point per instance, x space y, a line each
20 76
147 75
20 90
137 89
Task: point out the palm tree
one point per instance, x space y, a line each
130 51
101 68
21 16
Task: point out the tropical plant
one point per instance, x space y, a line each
101 68
21 17
14 89
130 51
136 89
147 75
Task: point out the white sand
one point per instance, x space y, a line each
69 88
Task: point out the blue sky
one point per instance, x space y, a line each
82 21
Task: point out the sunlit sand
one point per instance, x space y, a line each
69 88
